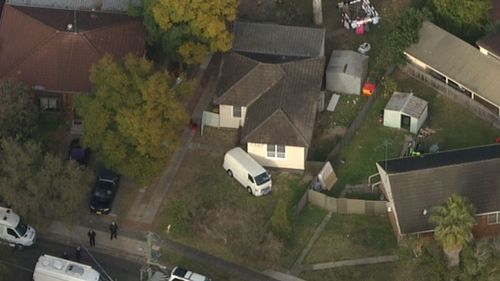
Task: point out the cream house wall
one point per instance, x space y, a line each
388 192
392 119
226 117
294 156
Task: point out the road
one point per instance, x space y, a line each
20 264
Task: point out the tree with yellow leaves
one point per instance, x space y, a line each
190 28
135 116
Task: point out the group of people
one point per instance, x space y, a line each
113 230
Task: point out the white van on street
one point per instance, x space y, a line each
181 274
13 231
247 171
50 268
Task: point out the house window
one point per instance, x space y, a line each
276 151
50 104
237 111
494 218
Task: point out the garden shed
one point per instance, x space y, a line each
405 111
346 72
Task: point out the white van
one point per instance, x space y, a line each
14 231
181 274
247 171
50 268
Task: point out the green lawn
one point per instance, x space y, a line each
304 226
455 128
353 236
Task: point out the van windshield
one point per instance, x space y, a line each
262 178
21 228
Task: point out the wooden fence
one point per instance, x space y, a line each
345 205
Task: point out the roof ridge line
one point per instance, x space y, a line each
107 26
30 17
293 125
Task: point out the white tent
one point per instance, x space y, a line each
346 72
405 111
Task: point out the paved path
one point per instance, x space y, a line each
297 266
327 265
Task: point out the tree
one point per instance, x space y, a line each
135 116
189 28
38 185
454 222
468 19
18 113
402 33
280 223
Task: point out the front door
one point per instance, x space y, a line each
405 122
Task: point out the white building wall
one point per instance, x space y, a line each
294 156
88 5
226 117
422 119
392 119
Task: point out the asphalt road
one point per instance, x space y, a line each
20 264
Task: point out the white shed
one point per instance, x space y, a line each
405 111
346 72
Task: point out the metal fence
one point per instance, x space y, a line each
349 134
345 205
454 95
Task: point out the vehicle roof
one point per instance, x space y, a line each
8 217
108 175
187 274
61 268
246 160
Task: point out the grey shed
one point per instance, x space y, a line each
405 111
346 72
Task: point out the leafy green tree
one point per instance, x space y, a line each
18 113
402 33
280 223
468 19
135 117
454 222
38 185
186 29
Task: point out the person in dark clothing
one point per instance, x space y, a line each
65 256
113 229
91 235
78 253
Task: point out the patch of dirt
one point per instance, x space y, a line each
256 10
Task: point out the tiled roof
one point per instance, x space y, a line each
419 183
281 40
49 56
458 60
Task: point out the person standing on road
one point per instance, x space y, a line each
78 253
91 235
113 229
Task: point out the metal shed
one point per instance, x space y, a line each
405 111
346 72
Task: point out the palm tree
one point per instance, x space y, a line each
454 222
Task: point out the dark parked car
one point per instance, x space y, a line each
78 153
104 192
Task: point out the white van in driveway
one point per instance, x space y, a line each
247 171
14 231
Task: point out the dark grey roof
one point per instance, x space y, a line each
286 113
407 103
243 80
282 40
491 43
419 183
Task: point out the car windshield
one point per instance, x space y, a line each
262 178
103 190
21 227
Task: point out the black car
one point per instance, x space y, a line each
78 153
104 192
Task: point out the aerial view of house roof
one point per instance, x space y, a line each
407 103
458 60
275 39
419 183
58 47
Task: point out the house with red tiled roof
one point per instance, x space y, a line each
52 50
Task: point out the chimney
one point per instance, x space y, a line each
69 27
